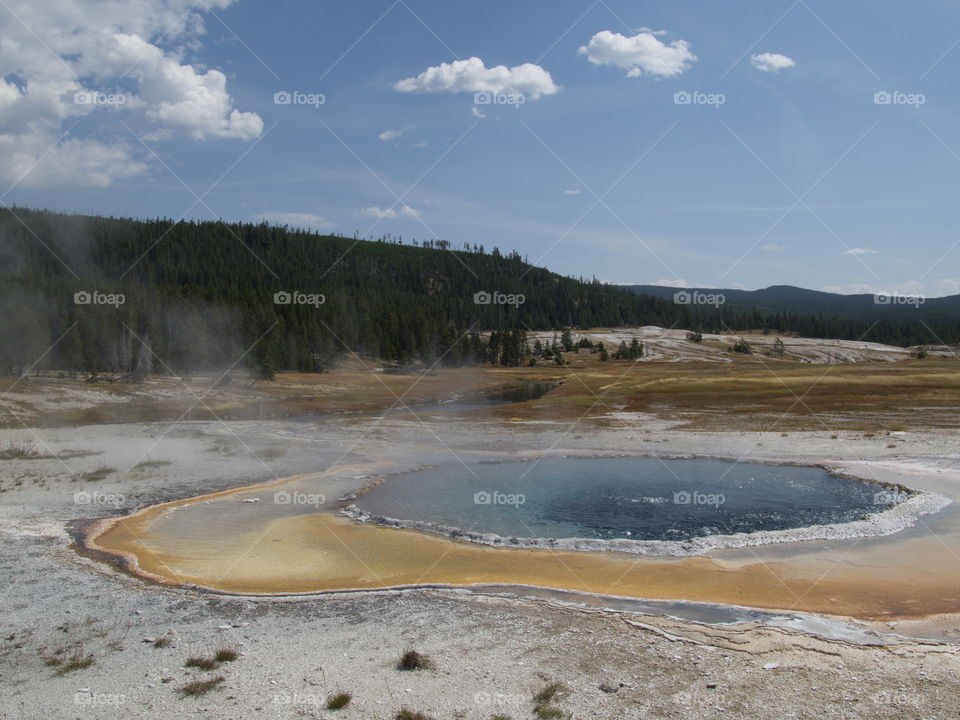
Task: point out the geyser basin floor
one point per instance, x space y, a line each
911 574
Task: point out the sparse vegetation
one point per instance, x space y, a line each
146 464
201 663
201 687
163 641
405 714
338 700
547 712
77 660
226 655
21 451
99 474
412 660
547 694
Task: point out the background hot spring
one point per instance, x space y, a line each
638 498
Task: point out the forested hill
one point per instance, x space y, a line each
204 292
802 302
205 295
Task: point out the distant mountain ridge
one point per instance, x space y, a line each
801 301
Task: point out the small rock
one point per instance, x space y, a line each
608 688
771 666
711 686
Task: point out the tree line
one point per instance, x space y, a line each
100 294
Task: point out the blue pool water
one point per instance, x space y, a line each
631 498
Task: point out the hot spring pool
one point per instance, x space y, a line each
623 498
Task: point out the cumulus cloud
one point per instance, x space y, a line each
67 59
389 135
475 111
773 247
389 213
911 287
771 62
472 75
859 251
572 191
296 219
641 54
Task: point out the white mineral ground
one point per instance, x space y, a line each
844 635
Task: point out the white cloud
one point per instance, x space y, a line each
389 213
573 191
475 111
773 247
89 163
296 219
640 54
948 286
771 62
471 75
859 251
911 287
666 282
67 59
388 135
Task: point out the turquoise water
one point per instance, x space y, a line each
632 498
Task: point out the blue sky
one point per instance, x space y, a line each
783 168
